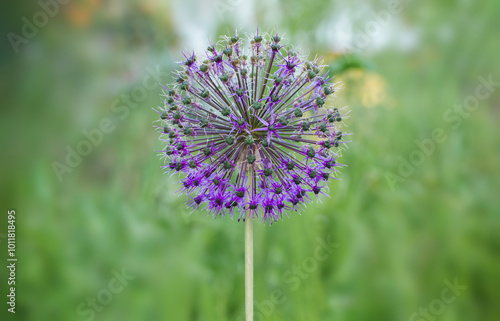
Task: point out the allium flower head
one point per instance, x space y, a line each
251 125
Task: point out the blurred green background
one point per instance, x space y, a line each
404 224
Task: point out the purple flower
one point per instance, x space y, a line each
252 128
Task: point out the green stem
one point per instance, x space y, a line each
249 267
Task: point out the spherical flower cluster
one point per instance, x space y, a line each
250 128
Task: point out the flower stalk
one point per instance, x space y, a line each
249 267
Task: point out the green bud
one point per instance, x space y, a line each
224 77
249 140
283 121
320 101
311 152
251 159
205 94
229 140
190 61
203 68
330 163
177 115
164 115
204 123
306 125
257 105
298 112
